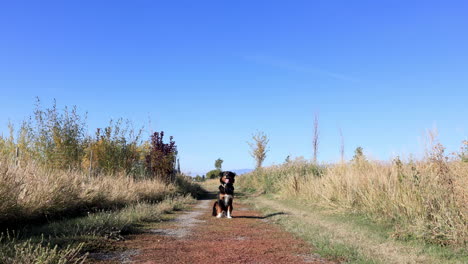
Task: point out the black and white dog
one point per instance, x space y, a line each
223 205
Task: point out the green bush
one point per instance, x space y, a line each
56 139
116 148
213 174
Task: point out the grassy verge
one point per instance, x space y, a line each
67 241
33 194
353 238
322 242
425 200
57 216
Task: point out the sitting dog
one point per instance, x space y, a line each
223 205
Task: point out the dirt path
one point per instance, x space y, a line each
198 237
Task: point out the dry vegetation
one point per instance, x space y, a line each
32 192
104 204
51 167
53 173
425 199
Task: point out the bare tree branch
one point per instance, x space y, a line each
315 141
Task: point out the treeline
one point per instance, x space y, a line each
57 139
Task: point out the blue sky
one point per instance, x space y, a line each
211 73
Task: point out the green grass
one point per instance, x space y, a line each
323 244
13 251
379 230
67 241
382 232
371 237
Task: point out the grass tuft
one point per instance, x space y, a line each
21 252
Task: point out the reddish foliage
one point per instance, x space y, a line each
162 158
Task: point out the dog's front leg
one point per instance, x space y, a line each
219 211
221 207
229 209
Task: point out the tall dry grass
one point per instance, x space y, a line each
426 199
33 192
52 168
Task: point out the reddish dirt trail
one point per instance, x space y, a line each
198 237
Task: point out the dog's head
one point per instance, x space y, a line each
227 177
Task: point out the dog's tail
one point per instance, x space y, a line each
214 208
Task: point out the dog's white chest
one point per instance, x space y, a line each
227 198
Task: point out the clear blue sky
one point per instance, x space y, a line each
211 73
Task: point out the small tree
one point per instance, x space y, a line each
213 174
259 148
162 158
218 164
359 155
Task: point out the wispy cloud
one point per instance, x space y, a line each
297 67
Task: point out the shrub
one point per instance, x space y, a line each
213 174
55 139
116 148
162 158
